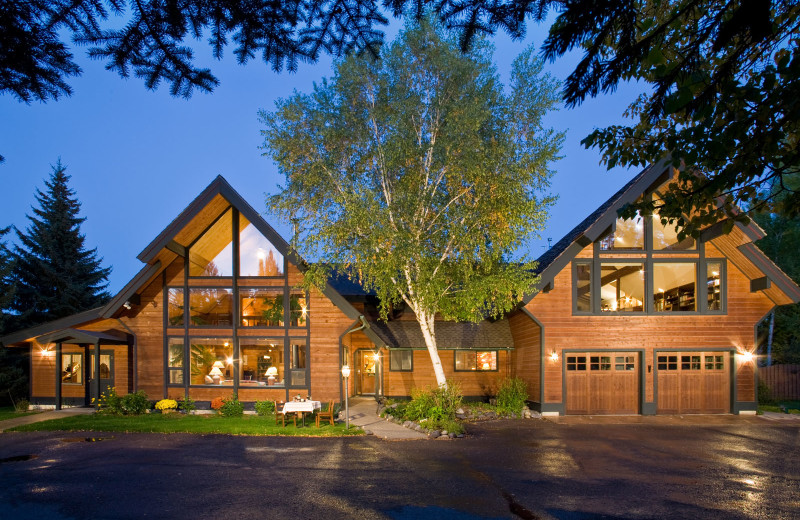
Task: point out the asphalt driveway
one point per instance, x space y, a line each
506 469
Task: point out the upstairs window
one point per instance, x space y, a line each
257 255
626 235
212 253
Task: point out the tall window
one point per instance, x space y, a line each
261 362
212 361
261 307
298 309
627 234
621 287
175 307
72 369
175 360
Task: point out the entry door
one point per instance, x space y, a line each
366 372
106 371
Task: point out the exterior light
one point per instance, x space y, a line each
346 371
346 376
554 356
746 356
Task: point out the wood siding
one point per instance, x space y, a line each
649 333
526 358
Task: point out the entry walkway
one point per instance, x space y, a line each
43 416
363 413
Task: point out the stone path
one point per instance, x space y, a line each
363 413
43 416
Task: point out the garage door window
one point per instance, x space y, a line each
690 362
714 363
624 363
600 362
668 362
576 363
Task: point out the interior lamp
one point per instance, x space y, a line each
271 371
216 374
218 365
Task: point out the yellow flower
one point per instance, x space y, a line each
166 404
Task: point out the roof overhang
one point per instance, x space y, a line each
80 337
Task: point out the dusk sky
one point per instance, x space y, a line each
138 157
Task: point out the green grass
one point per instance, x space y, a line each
7 412
179 423
792 407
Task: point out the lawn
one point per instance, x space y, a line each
789 407
8 412
179 423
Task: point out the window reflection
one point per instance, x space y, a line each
212 361
298 309
257 255
261 307
714 285
261 362
210 306
627 234
175 307
476 360
665 237
583 275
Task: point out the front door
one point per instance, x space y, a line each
365 366
106 371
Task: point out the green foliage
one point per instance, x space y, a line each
54 275
420 176
764 394
135 403
511 395
186 404
155 41
722 79
265 408
22 405
130 404
434 404
231 408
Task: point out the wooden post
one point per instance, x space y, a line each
96 378
58 375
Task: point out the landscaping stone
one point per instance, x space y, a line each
367 432
435 433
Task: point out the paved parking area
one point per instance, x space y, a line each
532 469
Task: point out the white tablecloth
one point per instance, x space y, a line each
302 406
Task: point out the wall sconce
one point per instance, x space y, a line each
745 356
554 356
46 352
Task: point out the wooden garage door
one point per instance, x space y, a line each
693 382
602 383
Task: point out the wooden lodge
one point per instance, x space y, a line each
626 320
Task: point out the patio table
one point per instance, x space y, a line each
302 407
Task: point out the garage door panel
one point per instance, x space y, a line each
693 382
602 383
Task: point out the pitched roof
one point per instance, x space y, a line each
449 335
221 195
599 221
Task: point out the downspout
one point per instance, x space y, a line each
341 348
134 355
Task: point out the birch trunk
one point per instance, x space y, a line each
426 323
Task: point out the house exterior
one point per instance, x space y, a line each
626 320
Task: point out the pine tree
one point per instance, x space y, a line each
53 273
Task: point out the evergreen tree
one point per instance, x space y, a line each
53 273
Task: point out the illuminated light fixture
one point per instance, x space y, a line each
304 311
715 273
271 371
266 356
229 360
346 376
225 344
46 352
554 356
746 356
218 364
216 374
377 356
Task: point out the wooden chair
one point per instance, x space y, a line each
280 417
326 415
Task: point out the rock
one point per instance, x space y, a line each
451 435
526 414
393 406
367 432
389 417
435 433
460 416
418 428
460 411
443 438
444 432
460 435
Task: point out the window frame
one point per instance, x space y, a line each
81 364
476 352
408 351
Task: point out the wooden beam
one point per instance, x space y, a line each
760 284
176 248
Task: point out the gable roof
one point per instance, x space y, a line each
219 195
600 220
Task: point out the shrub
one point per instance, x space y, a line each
186 404
109 402
217 403
135 403
167 404
22 405
434 404
231 408
765 394
265 407
512 395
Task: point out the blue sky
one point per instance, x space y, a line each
138 157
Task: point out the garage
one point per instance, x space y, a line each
602 383
693 382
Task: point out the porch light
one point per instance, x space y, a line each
746 356
554 356
346 371
346 376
